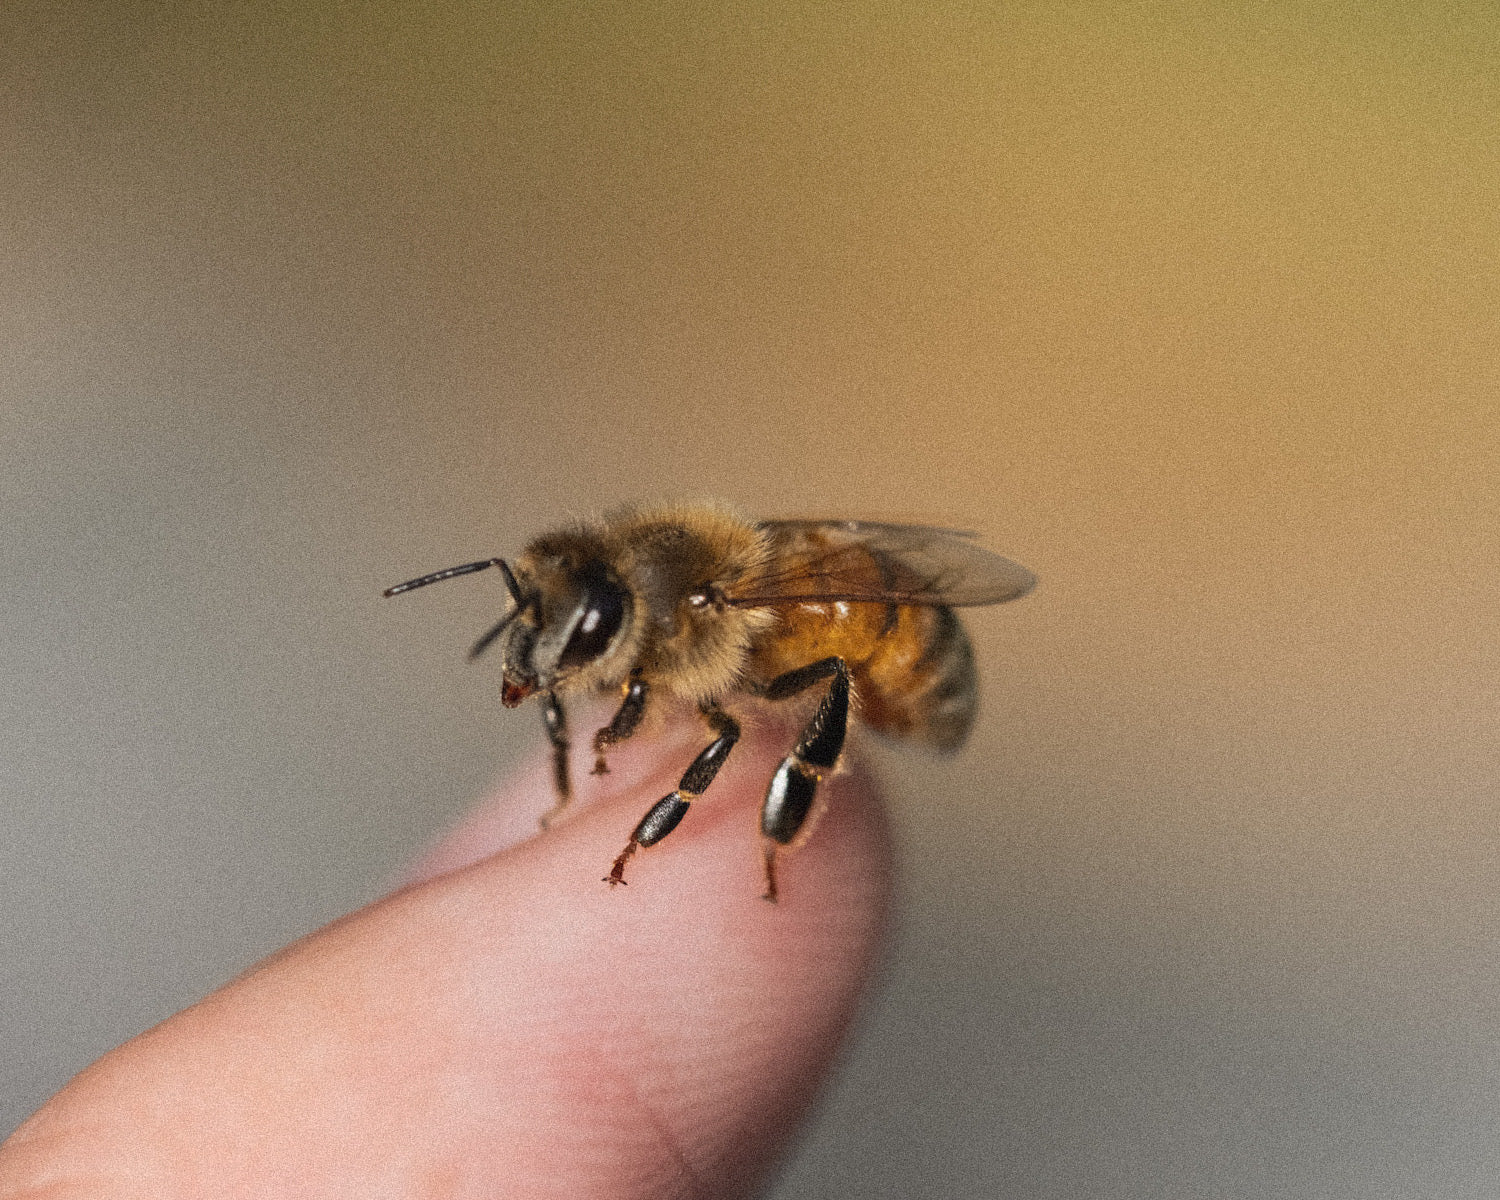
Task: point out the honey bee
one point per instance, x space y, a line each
697 604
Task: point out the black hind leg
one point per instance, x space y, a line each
786 816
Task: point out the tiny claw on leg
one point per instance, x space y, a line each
600 766
553 813
769 852
617 872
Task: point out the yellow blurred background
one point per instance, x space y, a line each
1190 308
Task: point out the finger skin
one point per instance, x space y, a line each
510 1026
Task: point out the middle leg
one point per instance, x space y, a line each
670 809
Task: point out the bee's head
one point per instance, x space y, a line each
568 614
568 617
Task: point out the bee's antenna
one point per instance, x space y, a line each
493 632
511 585
467 569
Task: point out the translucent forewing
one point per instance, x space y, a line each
864 561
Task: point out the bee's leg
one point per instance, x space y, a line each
784 817
625 721
670 809
556 720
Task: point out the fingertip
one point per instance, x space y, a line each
717 1013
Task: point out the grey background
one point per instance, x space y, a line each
1192 312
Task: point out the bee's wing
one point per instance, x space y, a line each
889 564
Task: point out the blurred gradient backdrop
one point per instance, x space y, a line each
1191 308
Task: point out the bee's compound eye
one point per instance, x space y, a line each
603 612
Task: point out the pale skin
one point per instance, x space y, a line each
508 1025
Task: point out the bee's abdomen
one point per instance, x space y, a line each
920 681
913 666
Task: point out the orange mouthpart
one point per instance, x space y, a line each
511 694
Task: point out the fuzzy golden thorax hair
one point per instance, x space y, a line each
669 564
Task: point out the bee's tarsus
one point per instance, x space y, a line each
617 871
768 855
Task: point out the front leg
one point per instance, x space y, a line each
787 814
555 718
626 721
669 810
